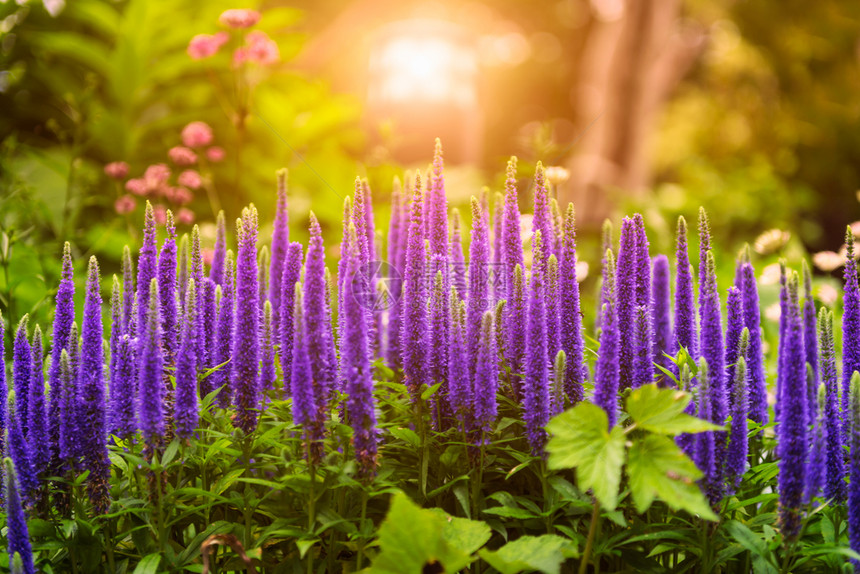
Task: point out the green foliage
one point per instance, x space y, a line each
531 553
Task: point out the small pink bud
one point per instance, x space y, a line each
156 176
208 256
182 155
239 18
185 216
197 134
206 45
125 204
116 169
215 154
190 178
137 186
179 195
160 214
262 49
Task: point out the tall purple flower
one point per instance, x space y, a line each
222 351
755 361
91 382
685 307
605 245
147 268
478 297
516 311
854 468
438 216
643 365
850 324
734 327
358 374
704 453
713 351
395 280
128 295
456 260
570 319
244 378
661 316
553 303
643 372
704 247
183 272
606 371
834 486
22 360
486 379
4 389
150 388
280 242
816 468
19 549
536 382
414 323
459 379
438 352
498 275
363 249
37 436
791 431
736 457
219 255
267 365
18 450
207 309
626 296
306 411
810 343
291 276
263 277
167 291
63 318
542 220
121 389
512 256
67 439
317 319
185 413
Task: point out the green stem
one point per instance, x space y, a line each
311 506
109 548
589 542
246 509
361 528
162 531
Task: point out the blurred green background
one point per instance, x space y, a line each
747 108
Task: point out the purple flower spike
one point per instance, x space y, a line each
280 243
704 247
543 220
129 316
185 414
459 382
358 374
91 382
685 306
478 298
854 470
306 411
396 243
713 351
19 549
816 468
317 319
219 256
755 360
704 453
438 355
498 278
661 316
570 319
267 367
4 389
792 430
17 449
607 376
643 371
512 256
414 323
457 261
536 382
22 360
486 380
734 327
147 268
553 302
167 292
438 216
625 284
810 342
605 245
183 267
37 436
220 379
292 275
244 379
150 366
736 457
121 390
64 316
69 447
516 311
834 486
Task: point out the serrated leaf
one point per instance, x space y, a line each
658 468
411 537
464 534
581 439
662 411
528 553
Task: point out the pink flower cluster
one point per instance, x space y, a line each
258 47
155 182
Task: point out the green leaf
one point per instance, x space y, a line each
305 544
762 562
170 452
411 537
662 411
149 564
581 440
509 512
464 534
528 553
430 391
657 467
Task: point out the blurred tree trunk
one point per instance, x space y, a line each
633 57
